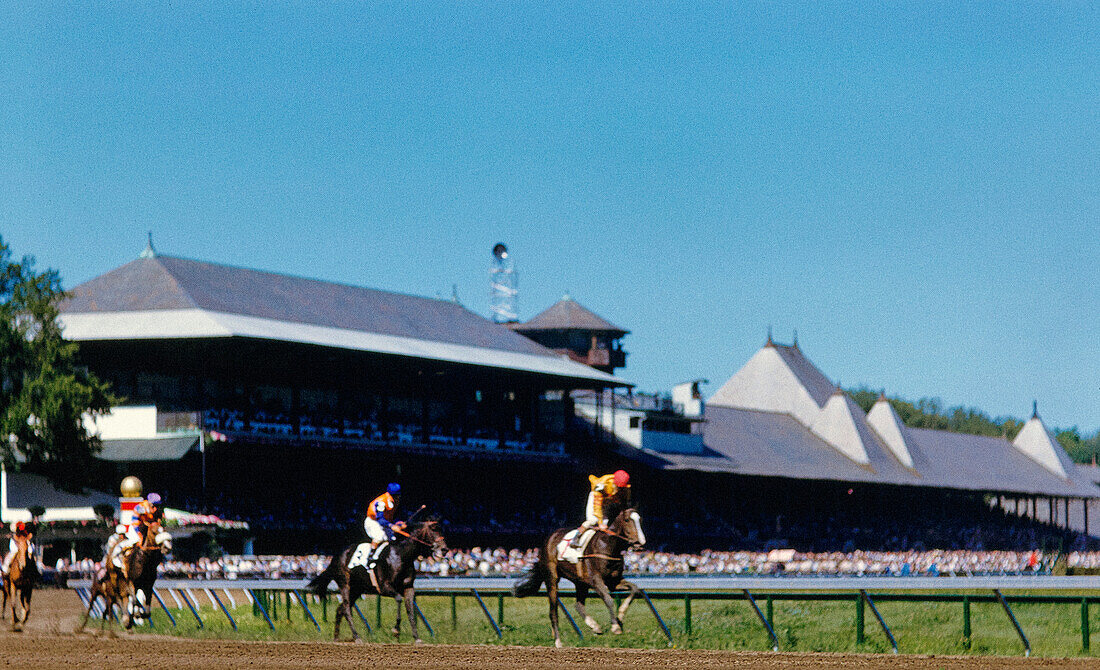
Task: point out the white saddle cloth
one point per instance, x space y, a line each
362 555
574 554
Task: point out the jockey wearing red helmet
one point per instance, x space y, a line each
613 488
19 530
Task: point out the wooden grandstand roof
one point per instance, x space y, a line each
164 297
568 314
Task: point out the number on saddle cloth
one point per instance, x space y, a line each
574 554
362 556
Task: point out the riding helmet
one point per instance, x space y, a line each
621 479
153 498
394 489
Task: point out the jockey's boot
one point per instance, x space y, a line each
575 543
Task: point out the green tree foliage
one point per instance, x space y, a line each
931 413
44 393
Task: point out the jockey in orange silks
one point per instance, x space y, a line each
613 488
380 523
19 530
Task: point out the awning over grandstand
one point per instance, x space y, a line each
161 448
21 490
162 297
779 416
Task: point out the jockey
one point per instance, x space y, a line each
379 523
613 488
144 513
19 529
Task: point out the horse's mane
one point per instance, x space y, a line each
426 530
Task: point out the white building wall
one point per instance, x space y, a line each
134 422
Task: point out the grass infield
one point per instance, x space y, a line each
1054 630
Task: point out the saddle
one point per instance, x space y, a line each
365 558
574 554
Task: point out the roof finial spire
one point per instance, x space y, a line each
795 342
1034 409
769 342
149 251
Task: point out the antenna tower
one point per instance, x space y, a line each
502 285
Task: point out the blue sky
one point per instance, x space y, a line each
914 187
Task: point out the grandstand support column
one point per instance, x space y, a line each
1050 511
1065 518
1085 508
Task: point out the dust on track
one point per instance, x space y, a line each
48 642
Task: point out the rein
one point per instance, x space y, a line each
414 539
614 534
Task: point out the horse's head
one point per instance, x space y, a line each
628 525
156 538
430 538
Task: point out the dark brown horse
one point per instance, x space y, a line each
19 582
141 571
132 589
394 571
600 568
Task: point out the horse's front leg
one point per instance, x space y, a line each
410 609
601 589
634 591
27 604
397 598
582 593
88 613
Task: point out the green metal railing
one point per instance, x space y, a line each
267 602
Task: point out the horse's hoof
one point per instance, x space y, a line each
616 629
357 640
418 641
396 632
558 644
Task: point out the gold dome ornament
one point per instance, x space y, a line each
131 487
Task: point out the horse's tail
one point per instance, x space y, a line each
319 584
531 582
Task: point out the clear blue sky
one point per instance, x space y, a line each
914 187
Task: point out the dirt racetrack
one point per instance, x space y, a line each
50 643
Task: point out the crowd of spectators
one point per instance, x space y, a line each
368 428
498 561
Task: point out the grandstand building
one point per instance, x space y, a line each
316 393
781 432
290 402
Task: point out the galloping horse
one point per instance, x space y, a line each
141 568
135 588
19 582
394 572
113 588
600 568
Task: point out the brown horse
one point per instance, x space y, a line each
112 587
600 568
19 582
141 571
394 571
131 590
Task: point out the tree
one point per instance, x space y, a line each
44 392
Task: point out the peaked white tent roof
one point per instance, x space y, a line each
777 378
842 425
1036 441
887 424
779 416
